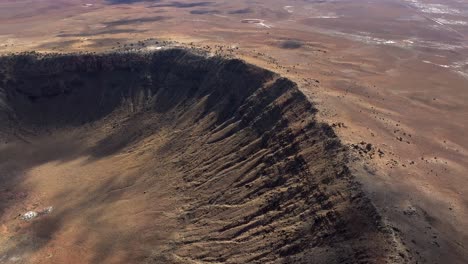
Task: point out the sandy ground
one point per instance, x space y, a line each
394 75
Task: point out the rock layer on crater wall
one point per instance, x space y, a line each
174 157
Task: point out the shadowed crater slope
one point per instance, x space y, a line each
173 157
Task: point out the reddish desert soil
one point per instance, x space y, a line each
392 74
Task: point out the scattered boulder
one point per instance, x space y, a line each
30 215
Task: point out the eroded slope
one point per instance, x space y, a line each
174 157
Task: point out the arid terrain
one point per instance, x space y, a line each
137 173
